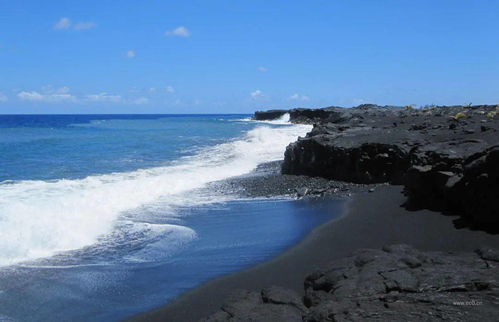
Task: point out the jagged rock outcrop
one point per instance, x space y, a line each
445 156
311 116
397 283
327 114
271 304
471 189
269 115
299 115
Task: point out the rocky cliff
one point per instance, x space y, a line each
447 157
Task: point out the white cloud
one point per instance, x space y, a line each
84 25
50 94
257 94
3 98
30 96
262 69
62 94
66 23
104 97
35 96
198 102
62 90
140 101
168 89
63 23
298 97
179 32
130 54
49 89
61 98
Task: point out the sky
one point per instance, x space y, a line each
238 56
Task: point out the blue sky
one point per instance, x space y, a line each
233 56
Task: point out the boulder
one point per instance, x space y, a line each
397 283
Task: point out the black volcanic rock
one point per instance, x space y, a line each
269 115
363 161
475 191
443 155
447 158
272 304
332 114
311 116
398 283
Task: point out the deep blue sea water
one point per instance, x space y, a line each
106 216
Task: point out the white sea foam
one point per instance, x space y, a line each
42 218
279 121
282 120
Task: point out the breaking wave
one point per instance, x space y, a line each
43 218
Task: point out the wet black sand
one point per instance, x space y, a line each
371 220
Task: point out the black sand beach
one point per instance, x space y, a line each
427 178
371 220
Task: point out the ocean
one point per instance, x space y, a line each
106 216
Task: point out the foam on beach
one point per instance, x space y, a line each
42 218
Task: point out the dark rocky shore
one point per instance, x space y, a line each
446 158
267 181
397 283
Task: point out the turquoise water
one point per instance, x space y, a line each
105 216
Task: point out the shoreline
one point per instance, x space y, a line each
369 220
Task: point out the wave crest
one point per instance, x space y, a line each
42 218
